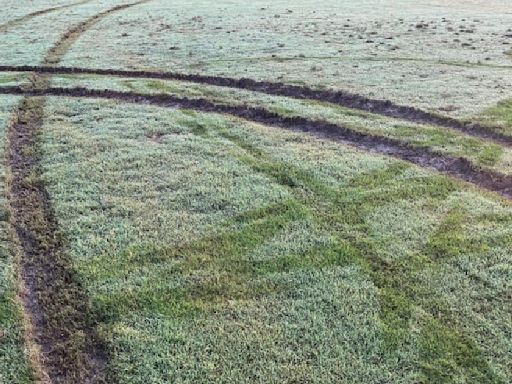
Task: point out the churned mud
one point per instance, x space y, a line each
345 99
61 321
457 167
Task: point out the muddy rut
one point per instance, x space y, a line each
23 19
61 321
456 167
62 326
345 99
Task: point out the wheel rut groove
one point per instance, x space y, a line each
62 324
23 19
342 98
457 167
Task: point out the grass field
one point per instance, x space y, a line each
167 229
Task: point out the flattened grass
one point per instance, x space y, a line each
222 251
479 151
402 293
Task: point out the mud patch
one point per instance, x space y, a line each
457 167
61 320
345 99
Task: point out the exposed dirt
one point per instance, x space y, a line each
345 99
61 322
454 166
58 308
23 19
61 318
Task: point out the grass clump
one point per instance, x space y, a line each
500 115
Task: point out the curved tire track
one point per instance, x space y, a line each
345 99
457 167
27 17
61 323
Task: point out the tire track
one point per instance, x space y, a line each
345 99
62 325
457 167
27 17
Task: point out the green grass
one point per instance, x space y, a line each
479 151
7 79
215 250
228 252
457 359
371 47
500 115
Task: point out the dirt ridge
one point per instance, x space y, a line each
62 324
342 98
457 167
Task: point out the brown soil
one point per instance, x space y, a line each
345 99
58 308
454 166
62 324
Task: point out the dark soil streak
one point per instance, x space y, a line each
53 297
345 99
454 166
62 322
22 19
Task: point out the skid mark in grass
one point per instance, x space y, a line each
23 19
57 52
212 268
448 356
484 153
203 275
450 239
345 99
222 252
243 232
457 167
61 323
241 278
402 288
52 295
